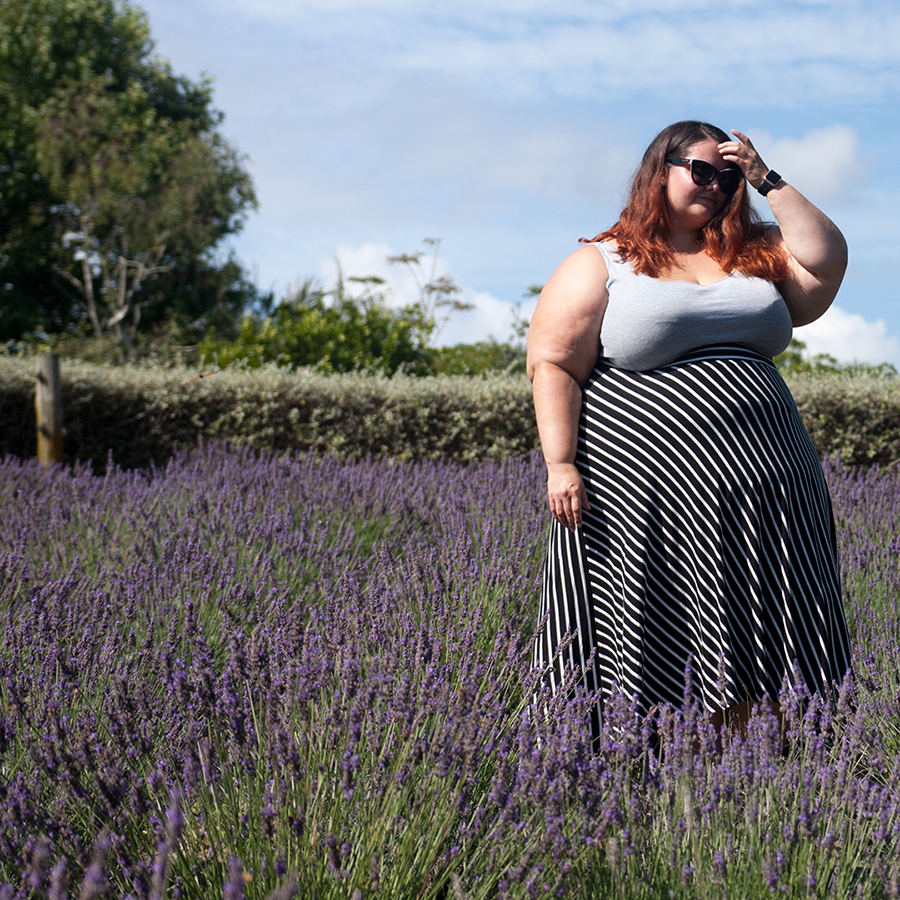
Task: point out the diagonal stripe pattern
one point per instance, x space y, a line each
710 540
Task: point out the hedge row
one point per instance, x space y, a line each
139 416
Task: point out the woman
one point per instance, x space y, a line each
691 521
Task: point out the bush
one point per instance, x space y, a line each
854 418
478 358
140 415
345 335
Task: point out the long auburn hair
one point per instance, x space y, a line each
735 237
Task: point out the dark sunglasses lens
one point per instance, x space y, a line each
729 179
702 172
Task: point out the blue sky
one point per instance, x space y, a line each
509 128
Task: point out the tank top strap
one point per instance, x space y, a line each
615 265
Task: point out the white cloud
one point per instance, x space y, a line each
489 316
848 337
824 164
372 259
794 51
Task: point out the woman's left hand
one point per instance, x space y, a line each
746 156
816 249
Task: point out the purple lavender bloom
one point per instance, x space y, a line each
372 665
95 886
58 888
234 882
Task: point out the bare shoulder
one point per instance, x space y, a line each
565 328
580 278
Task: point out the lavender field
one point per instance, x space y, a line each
245 676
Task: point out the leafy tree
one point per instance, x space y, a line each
115 184
337 331
490 355
479 358
793 362
331 330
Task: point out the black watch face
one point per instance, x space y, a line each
773 177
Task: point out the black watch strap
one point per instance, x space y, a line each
770 180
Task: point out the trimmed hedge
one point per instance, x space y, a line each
853 418
140 415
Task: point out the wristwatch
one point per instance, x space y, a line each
770 180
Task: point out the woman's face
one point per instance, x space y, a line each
691 206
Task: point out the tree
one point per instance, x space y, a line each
793 362
116 186
133 185
331 330
344 330
480 358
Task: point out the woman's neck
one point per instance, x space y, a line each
685 242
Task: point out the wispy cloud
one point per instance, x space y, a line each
824 164
800 50
510 127
488 317
849 337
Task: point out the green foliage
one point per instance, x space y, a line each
479 358
330 330
793 362
339 331
851 416
141 414
115 185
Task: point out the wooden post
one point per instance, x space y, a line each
48 407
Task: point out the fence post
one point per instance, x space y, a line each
48 407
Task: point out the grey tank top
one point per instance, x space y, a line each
650 323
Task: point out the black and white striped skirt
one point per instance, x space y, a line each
710 541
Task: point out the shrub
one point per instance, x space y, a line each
140 415
346 335
851 417
478 358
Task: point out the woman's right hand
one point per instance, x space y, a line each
567 494
563 343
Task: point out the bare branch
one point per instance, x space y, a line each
58 270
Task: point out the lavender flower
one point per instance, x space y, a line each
348 696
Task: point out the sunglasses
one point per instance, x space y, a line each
704 173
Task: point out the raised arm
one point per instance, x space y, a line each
563 342
816 249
